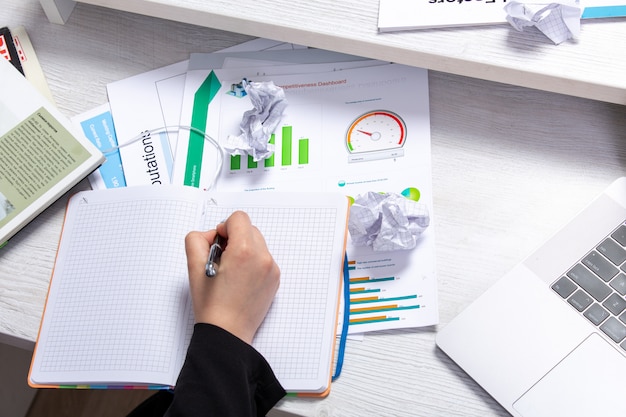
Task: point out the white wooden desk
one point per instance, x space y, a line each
592 67
510 165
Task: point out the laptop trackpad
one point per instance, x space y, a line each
588 382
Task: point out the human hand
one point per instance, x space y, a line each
239 296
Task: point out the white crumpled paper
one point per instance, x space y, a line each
387 221
258 124
558 20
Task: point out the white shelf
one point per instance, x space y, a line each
592 67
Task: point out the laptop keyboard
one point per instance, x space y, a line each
596 286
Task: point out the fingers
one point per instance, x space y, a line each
239 296
197 246
247 244
237 225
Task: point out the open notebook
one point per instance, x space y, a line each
118 312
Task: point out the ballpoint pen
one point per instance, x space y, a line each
215 253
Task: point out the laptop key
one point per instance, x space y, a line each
580 300
614 252
623 345
600 266
564 287
596 314
623 318
614 329
615 304
589 282
619 283
620 235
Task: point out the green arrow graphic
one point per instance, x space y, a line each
202 98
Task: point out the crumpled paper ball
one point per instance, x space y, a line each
387 221
258 124
558 20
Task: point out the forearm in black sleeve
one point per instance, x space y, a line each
223 376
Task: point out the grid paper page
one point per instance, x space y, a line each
298 333
106 304
122 263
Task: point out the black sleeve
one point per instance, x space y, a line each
223 376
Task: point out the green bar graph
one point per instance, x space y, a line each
303 151
287 146
235 162
286 149
269 162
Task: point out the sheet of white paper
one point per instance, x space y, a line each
256 67
323 144
205 62
195 161
137 106
153 100
240 144
262 44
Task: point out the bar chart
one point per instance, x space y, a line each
371 299
291 152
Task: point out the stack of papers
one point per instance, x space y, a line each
352 125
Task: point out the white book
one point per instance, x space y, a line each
118 311
41 154
395 15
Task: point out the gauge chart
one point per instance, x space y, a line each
377 134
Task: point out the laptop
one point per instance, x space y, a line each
549 338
